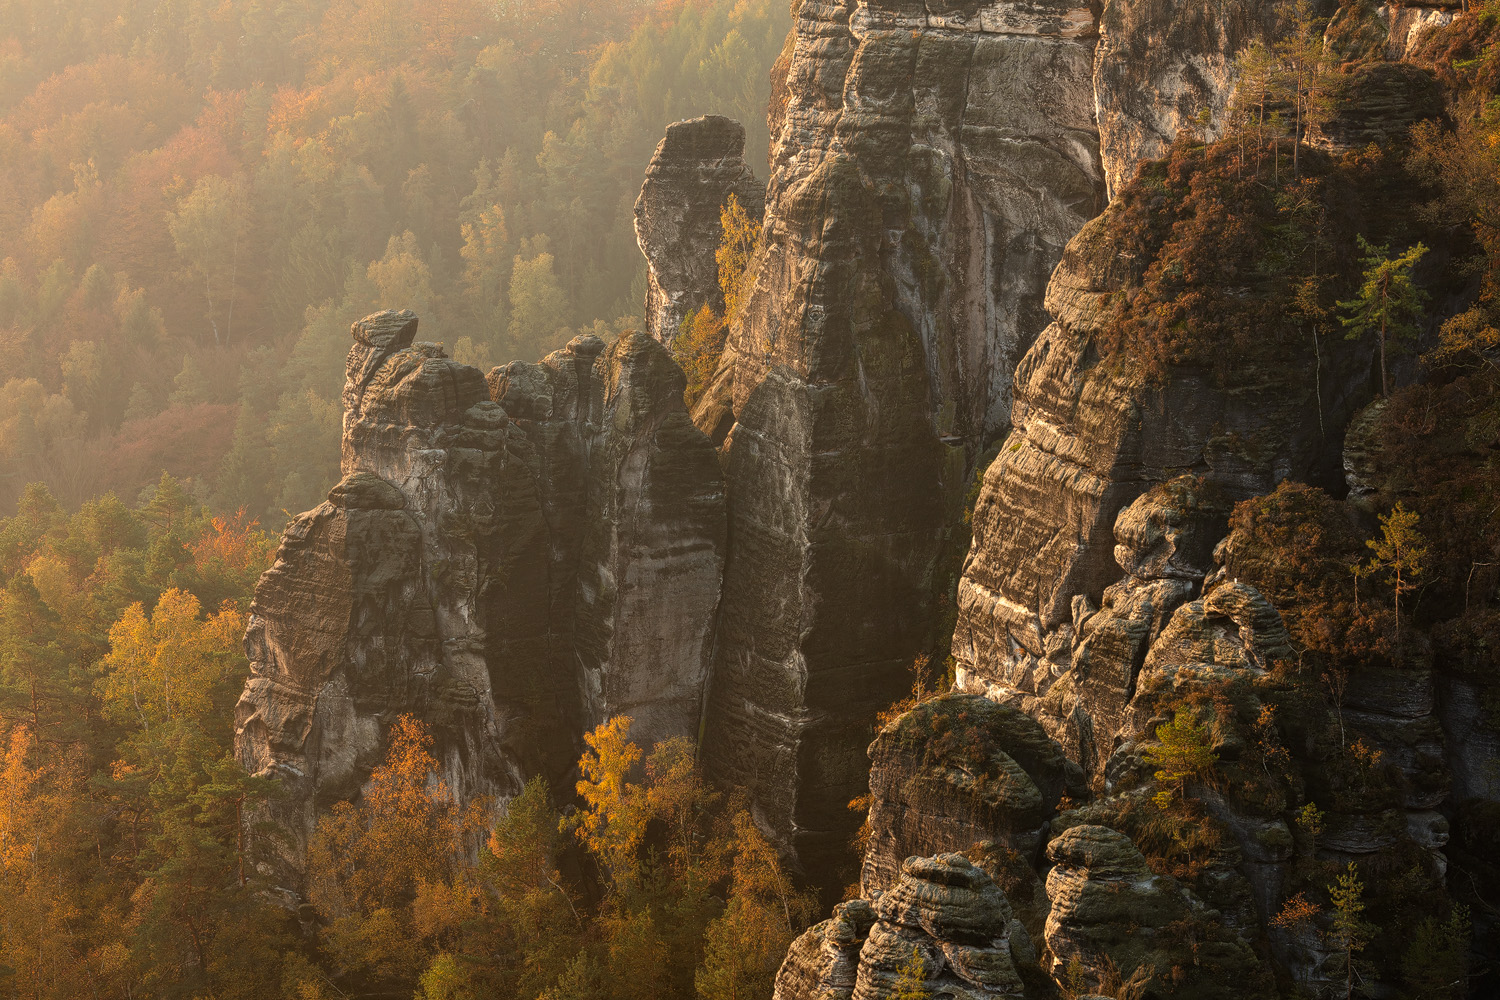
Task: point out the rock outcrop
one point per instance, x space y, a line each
1110 910
510 560
697 166
1090 437
956 771
930 168
1161 65
944 929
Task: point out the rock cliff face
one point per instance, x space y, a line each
697 166
953 772
510 559
1090 438
930 167
944 928
1159 66
1110 910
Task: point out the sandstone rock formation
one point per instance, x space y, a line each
953 772
929 171
1090 438
929 165
510 561
1160 65
1110 910
944 928
823 962
697 166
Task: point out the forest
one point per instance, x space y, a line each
198 198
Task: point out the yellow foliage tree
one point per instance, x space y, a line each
613 822
697 348
737 248
1184 753
387 869
168 664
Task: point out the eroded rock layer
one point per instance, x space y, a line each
956 771
930 168
511 560
1090 437
944 928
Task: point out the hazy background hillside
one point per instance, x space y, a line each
197 198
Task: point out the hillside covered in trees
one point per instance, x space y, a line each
197 199
1049 529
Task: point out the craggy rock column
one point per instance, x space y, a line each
512 560
697 166
928 173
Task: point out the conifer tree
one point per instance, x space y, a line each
1389 302
1400 553
1183 753
1350 933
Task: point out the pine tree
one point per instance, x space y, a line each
1183 753
1350 932
1388 303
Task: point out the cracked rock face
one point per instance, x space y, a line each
953 772
1089 439
1160 64
1109 907
931 166
697 166
511 560
943 926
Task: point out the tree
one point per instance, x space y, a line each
370 864
1183 753
486 255
1436 964
737 248
1350 932
1388 303
210 228
1400 554
1303 73
911 978
697 348
537 306
402 278
168 664
745 946
520 864
613 822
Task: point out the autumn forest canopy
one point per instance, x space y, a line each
197 199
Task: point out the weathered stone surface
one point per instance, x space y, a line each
953 772
1090 438
697 166
509 581
1364 31
944 911
1109 907
823 963
929 170
1468 704
1159 65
